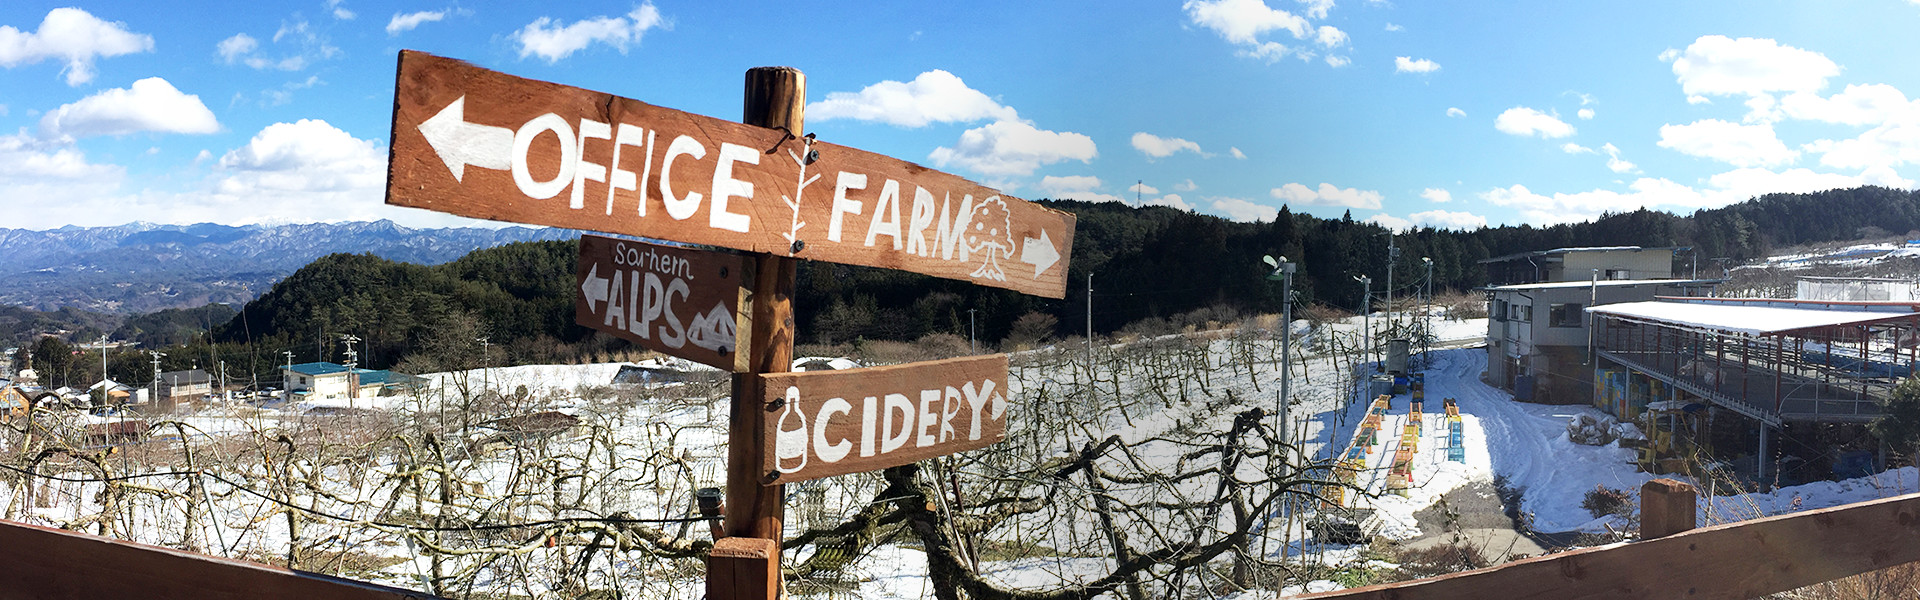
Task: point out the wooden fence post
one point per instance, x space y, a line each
749 569
1666 508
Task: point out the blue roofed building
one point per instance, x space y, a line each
325 380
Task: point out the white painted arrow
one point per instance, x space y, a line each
594 289
1040 253
460 143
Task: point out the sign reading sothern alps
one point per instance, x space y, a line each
681 301
825 423
480 143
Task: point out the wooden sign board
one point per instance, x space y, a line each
825 423
484 144
684 302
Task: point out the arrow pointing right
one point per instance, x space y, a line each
594 289
1040 253
460 143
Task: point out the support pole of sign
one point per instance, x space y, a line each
746 564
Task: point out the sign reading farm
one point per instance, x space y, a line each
680 301
480 143
825 423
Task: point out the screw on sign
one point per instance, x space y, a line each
680 301
826 423
480 143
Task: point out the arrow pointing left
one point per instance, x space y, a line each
460 143
594 289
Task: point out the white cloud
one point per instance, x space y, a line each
73 36
1338 61
1585 114
1393 27
402 23
1170 201
1715 65
1722 189
1143 188
1698 99
1732 143
1243 211
1885 146
25 160
151 104
1406 64
1327 195
1390 222
1186 186
1013 148
1328 37
549 39
307 170
1437 195
1242 21
1856 105
339 10
932 97
1572 148
1614 162
1317 9
1447 219
234 48
1234 151
1158 147
1523 121
1438 219
1456 112
1070 183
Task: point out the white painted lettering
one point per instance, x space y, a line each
584 170
835 451
646 172
652 304
952 230
622 179
927 398
682 207
886 215
725 186
896 403
842 205
977 401
616 306
678 337
922 219
948 409
569 154
869 416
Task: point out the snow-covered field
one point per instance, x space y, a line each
642 452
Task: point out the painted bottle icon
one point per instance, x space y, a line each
790 436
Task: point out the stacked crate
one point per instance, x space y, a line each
1456 450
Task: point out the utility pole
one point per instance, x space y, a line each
1426 314
156 378
1366 316
353 360
1090 339
1283 270
973 341
486 361
103 365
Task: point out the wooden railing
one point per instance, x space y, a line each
1736 561
43 563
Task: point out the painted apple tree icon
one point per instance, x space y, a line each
992 235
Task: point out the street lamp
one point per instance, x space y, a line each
1426 314
1283 272
1366 315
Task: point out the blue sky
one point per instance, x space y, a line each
1453 114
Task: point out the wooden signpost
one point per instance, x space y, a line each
480 143
680 301
828 423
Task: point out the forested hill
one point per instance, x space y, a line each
1146 262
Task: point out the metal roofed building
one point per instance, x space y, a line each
1537 334
1577 264
1782 363
331 380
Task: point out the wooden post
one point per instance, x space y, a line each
748 569
1666 508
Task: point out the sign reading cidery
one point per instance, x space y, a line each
825 423
481 143
681 301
